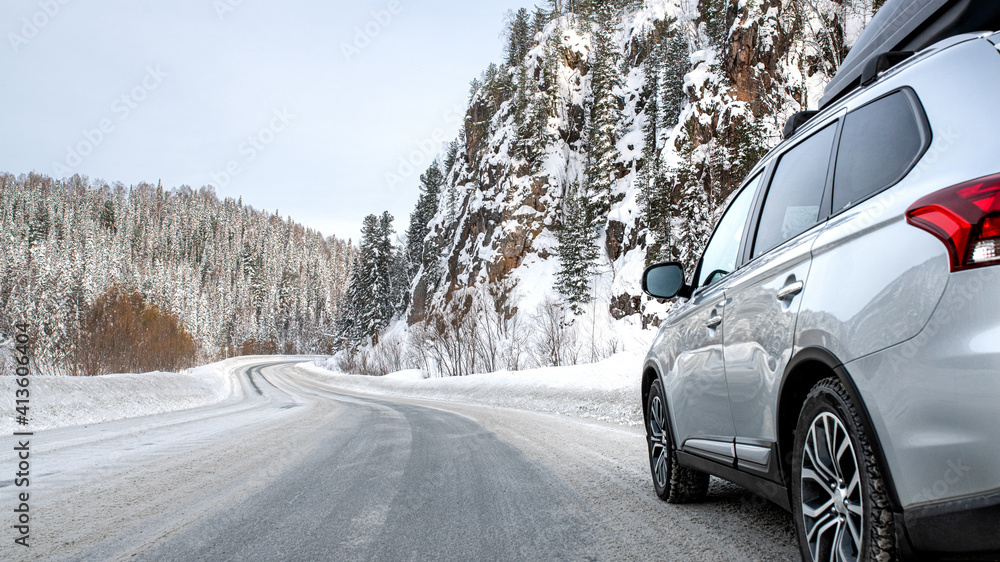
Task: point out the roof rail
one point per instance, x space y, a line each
881 62
796 121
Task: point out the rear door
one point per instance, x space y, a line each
763 298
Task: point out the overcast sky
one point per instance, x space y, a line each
308 107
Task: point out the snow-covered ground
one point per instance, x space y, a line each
60 401
606 390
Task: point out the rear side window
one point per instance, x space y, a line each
880 143
793 200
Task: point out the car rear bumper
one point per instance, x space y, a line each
965 525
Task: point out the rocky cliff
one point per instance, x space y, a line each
700 92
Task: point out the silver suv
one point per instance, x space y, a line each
838 351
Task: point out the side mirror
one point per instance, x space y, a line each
665 281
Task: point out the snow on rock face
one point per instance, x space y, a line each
770 59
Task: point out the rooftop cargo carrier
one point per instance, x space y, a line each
909 25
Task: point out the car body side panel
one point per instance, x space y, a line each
870 289
693 373
760 331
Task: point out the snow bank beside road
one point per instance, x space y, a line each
65 401
606 390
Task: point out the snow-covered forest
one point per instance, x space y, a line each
237 279
609 138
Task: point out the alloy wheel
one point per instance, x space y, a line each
659 449
831 491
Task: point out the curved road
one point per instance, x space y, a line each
298 470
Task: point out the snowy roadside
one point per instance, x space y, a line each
607 390
60 401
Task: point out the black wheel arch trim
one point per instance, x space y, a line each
653 365
827 358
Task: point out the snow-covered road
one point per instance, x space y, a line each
294 466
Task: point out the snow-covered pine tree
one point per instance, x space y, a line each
675 62
348 333
382 291
539 20
694 224
651 190
451 156
602 152
665 67
715 22
577 250
431 182
518 37
400 280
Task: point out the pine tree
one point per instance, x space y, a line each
694 224
715 19
675 63
400 280
665 67
518 40
384 263
602 151
451 156
539 20
348 334
427 205
577 251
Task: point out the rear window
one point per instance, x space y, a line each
793 200
880 143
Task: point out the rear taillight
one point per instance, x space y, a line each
966 217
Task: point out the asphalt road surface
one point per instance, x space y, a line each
297 470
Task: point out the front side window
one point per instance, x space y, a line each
796 193
724 247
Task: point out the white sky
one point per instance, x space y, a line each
201 77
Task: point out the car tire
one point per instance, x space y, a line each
839 500
673 483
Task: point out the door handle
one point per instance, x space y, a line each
713 322
790 290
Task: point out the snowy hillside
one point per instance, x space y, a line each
638 118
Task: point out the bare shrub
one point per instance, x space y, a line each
125 334
389 355
555 337
354 361
257 347
499 336
445 342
